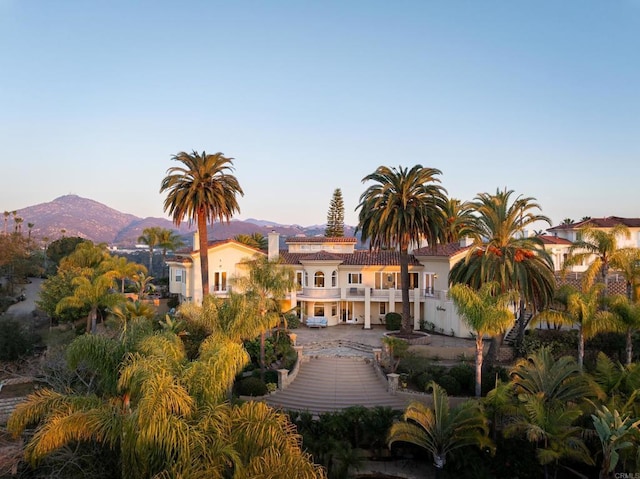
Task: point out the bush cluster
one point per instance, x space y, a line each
393 321
15 340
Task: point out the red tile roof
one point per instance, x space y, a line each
608 222
445 250
357 258
548 239
322 256
214 243
321 239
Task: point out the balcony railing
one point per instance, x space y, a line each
320 293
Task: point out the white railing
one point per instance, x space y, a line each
320 293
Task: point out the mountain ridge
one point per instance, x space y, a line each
72 215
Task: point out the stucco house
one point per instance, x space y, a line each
561 237
335 281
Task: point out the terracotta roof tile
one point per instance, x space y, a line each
548 239
321 239
608 222
357 258
444 250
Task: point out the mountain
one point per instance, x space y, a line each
72 215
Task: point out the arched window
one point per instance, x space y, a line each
334 279
318 279
306 279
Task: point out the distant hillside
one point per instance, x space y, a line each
76 216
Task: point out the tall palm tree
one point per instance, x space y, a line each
30 226
151 237
200 191
441 429
403 207
266 284
599 245
459 220
6 221
502 253
168 240
486 312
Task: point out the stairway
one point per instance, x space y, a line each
511 336
326 384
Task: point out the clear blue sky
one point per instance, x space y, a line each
542 97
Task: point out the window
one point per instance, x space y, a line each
355 278
299 279
220 281
334 309
318 310
306 279
429 283
383 309
413 280
318 279
179 276
334 279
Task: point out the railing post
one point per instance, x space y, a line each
392 387
283 375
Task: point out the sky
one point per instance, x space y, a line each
540 97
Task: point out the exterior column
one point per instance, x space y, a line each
367 308
282 378
416 308
392 301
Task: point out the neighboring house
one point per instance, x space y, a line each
335 281
562 237
558 249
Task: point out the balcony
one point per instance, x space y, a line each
320 293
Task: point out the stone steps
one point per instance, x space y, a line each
326 384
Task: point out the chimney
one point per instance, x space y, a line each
196 241
465 241
274 246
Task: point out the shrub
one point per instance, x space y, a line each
251 386
393 321
466 377
15 342
292 321
450 384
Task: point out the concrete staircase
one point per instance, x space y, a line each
327 384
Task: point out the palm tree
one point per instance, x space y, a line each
441 429
254 240
123 269
151 237
30 226
567 222
580 309
6 220
459 220
266 284
202 190
626 315
91 292
168 240
165 415
142 284
600 245
549 393
403 207
486 312
502 253
18 221
627 262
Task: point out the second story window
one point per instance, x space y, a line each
318 279
299 279
334 279
355 278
